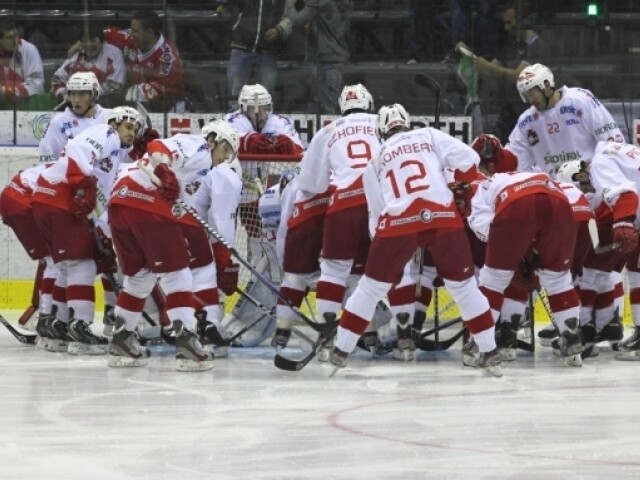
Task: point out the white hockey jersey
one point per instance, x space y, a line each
615 170
406 188
338 153
63 127
217 200
95 152
498 191
543 141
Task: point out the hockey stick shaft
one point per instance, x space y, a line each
434 87
284 363
318 327
26 338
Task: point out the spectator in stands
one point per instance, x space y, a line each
92 54
428 31
21 72
481 34
327 49
254 55
153 63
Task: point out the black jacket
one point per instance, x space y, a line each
251 19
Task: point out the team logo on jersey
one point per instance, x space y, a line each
40 125
426 215
106 164
192 188
295 212
532 137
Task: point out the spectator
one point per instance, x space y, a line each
153 64
253 53
428 32
483 36
92 55
327 49
21 75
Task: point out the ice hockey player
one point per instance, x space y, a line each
562 124
149 236
338 155
261 132
408 195
82 111
67 197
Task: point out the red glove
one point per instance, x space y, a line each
626 235
105 256
256 143
139 147
283 145
462 194
169 187
84 197
222 255
227 278
493 158
525 276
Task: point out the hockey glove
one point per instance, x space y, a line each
525 276
626 235
256 143
105 256
169 188
139 147
283 145
84 197
227 278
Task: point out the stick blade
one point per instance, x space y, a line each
427 82
427 345
289 365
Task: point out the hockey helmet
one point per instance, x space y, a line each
222 131
84 82
390 117
254 96
534 76
355 97
124 113
567 171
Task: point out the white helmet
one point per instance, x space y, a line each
534 76
124 113
567 171
392 116
253 96
355 97
222 131
84 82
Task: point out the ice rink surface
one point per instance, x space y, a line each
75 418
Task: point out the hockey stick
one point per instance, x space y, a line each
296 365
26 338
35 295
595 239
322 328
435 345
434 87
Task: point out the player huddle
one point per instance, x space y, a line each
492 223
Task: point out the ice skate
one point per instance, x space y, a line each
338 360
211 338
628 349
108 321
58 336
589 341
371 342
469 353
190 354
281 339
125 349
416 329
325 350
405 349
82 340
507 339
568 345
490 362
547 334
43 329
612 331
